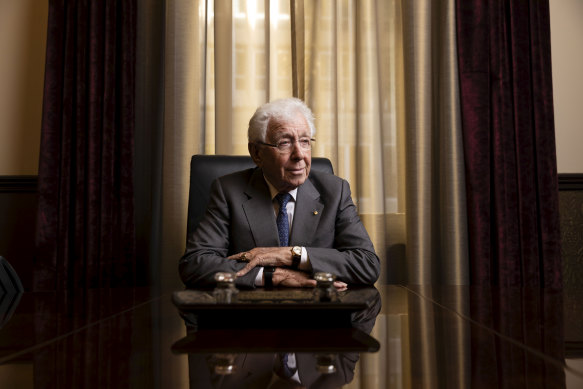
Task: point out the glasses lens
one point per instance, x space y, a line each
305 143
287 145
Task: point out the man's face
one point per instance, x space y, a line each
284 170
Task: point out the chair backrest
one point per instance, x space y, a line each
204 169
11 291
9 280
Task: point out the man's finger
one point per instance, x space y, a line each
311 283
340 285
243 257
246 269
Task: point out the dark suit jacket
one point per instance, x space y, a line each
240 217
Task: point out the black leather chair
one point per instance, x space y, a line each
11 291
9 280
204 169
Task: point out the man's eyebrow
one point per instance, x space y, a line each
283 136
287 135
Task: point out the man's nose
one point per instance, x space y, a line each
297 151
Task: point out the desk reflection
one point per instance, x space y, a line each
485 337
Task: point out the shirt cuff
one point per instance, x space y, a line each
259 277
305 261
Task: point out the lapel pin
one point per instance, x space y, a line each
315 212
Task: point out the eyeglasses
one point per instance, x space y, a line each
286 145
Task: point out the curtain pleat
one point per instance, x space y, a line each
298 48
184 129
436 204
423 339
223 71
149 134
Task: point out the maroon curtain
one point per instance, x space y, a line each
85 227
509 142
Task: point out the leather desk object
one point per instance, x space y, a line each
275 320
278 308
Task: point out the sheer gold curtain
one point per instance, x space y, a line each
354 84
381 78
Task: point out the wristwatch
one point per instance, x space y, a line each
296 252
268 276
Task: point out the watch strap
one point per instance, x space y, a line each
268 276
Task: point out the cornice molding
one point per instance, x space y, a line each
18 184
570 181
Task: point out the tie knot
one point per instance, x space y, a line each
283 199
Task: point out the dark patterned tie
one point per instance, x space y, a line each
282 220
282 368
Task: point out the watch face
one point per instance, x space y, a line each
297 250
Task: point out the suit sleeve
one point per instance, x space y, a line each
351 257
208 247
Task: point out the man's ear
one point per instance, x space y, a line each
254 153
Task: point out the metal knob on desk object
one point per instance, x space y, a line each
224 364
326 363
325 290
225 292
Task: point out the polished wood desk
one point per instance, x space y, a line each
458 337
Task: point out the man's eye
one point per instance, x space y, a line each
305 141
284 143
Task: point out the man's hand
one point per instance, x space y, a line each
278 256
292 278
298 279
263 256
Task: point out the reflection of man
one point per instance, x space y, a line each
239 232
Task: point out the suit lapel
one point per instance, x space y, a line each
307 215
259 211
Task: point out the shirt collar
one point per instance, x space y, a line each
274 191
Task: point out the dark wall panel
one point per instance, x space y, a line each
571 213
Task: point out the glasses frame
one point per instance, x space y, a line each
292 145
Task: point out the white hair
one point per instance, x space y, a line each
280 110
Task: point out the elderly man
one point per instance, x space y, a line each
280 223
